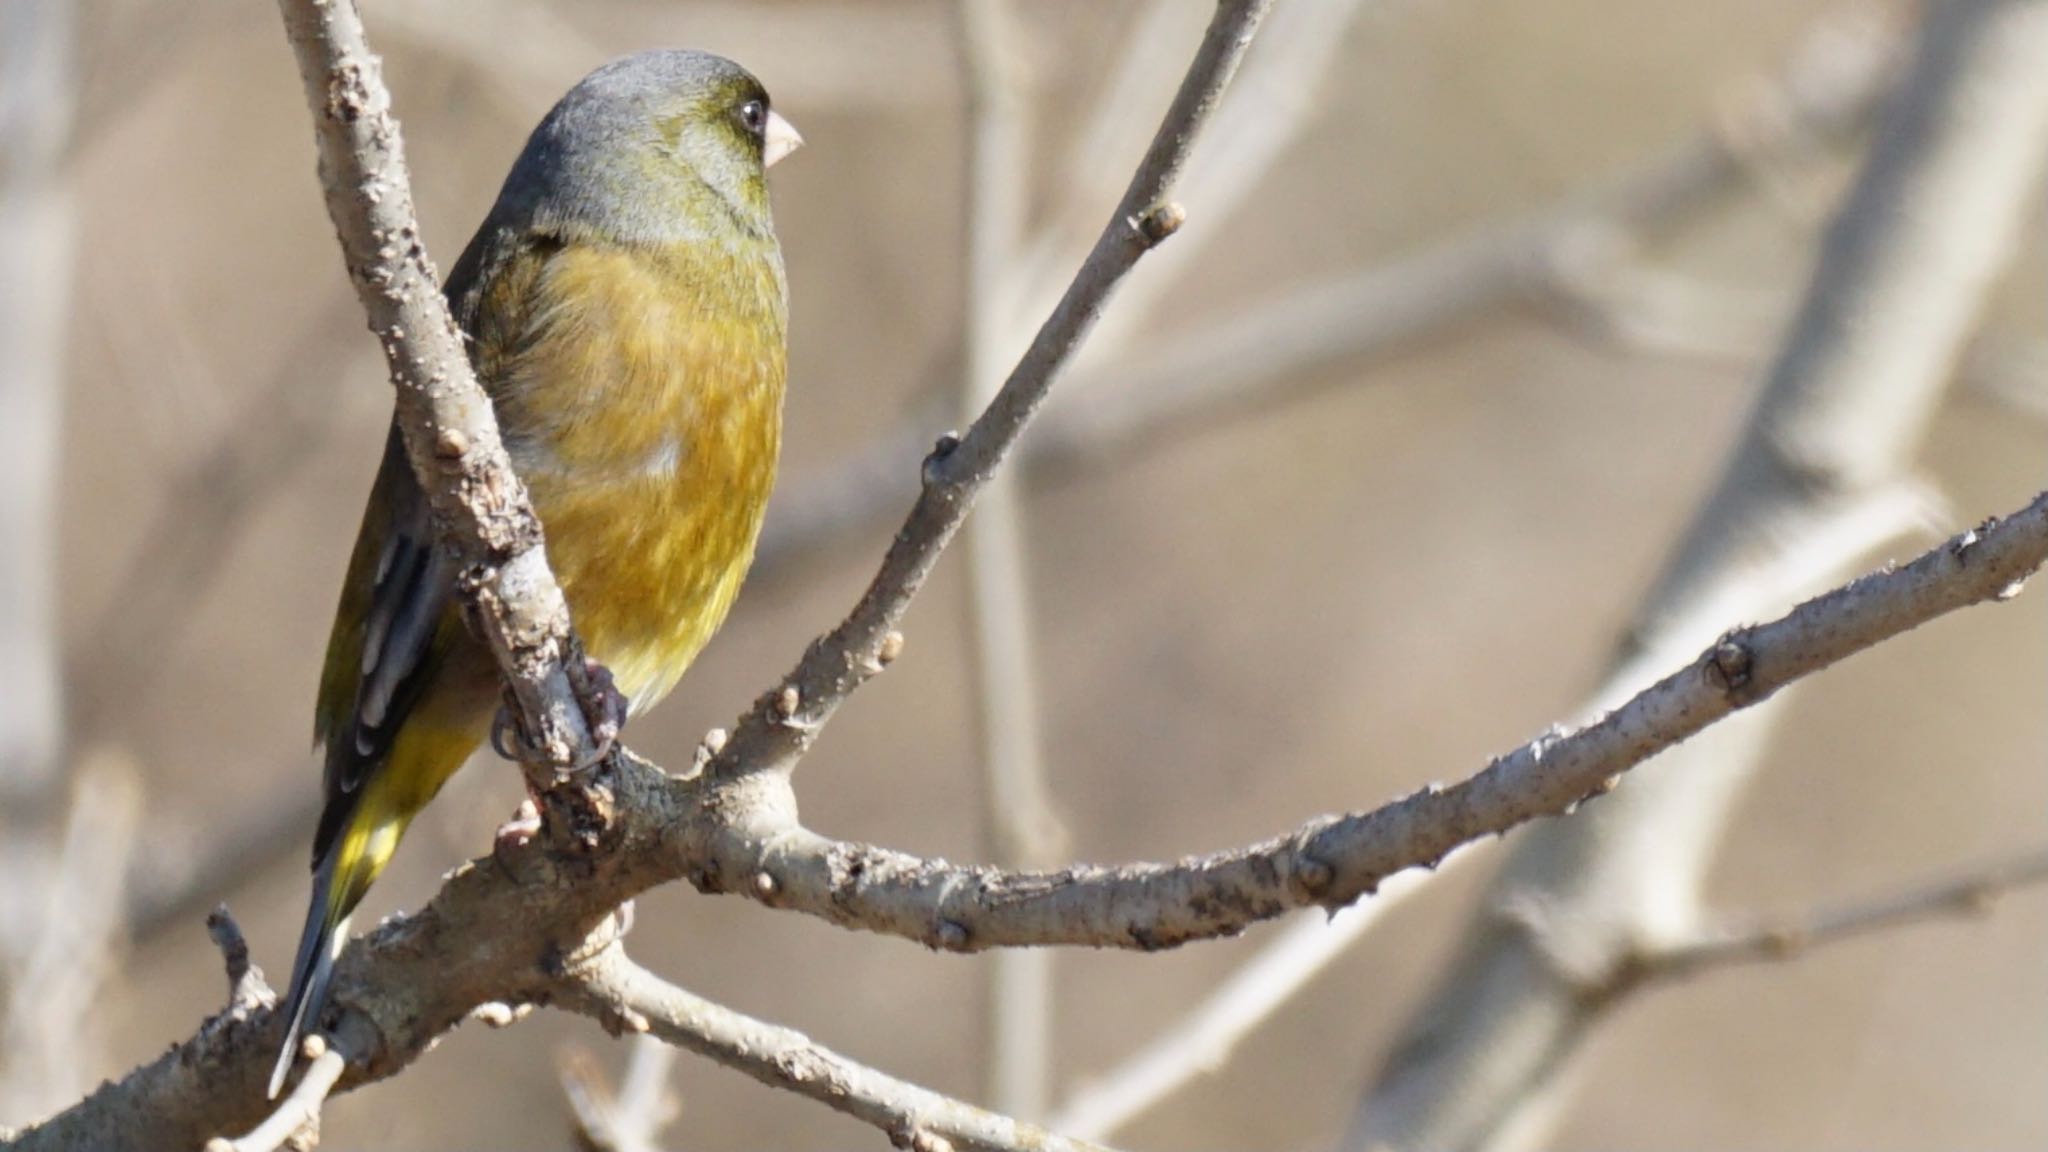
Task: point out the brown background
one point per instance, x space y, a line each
1315 607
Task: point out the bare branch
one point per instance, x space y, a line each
1200 1042
1248 358
503 929
772 736
1749 941
631 1119
1904 268
296 1123
627 998
1276 104
480 505
419 975
246 987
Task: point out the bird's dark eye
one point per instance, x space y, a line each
754 115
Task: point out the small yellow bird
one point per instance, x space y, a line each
626 309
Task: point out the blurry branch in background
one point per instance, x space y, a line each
520 49
1200 1042
49 1050
1550 260
1274 107
403 986
1904 270
628 999
1825 92
631 1119
1553 261
1021 828
1756 940
60 855
129 644
35 294
486 522
1175 384
626 826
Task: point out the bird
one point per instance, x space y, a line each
625 307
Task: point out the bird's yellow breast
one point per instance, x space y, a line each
643 406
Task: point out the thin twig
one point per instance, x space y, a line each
631 1119
627 998
783 723
480 505
733 828
1202 1040
1275 105
1905 266
421 974
1756 940
296 1122
246 987
1262 351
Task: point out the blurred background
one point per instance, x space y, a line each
1298 569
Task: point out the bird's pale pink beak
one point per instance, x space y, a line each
779 139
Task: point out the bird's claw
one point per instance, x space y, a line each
604 717
604 712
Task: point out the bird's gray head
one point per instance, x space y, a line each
655 147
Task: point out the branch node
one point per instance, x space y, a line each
890 648
1731 666
498 1014
450 444
765 885
1158 222
227 936
1314 876
707 750
952 936
942 451
911 1138
625 1021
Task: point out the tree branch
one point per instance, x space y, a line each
1199 1042
1905 266
1203 372
297 1119
783 722
626 998
1761 939
499 923
480 505
504 929
631 1119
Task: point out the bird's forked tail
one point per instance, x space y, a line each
319 945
